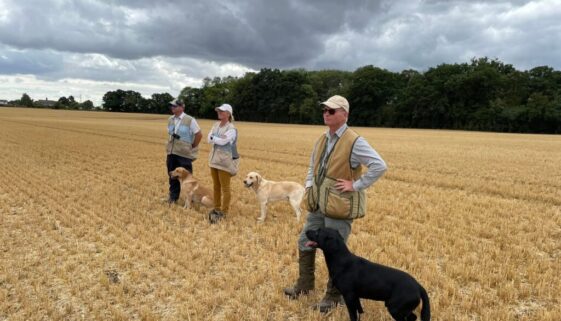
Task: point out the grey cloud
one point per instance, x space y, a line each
254 33
260 33
29 62
421 36
171 44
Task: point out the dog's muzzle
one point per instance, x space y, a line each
311 244
247 184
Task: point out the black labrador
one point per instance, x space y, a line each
356 277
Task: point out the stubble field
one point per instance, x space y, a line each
85 233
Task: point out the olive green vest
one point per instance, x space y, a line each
323 195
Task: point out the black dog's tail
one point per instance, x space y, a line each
425 310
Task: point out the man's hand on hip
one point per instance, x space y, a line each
344 185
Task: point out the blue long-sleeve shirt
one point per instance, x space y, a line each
361 154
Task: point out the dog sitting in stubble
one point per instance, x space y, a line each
192 191
356 277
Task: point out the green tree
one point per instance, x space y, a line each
214 92
124 101
72 103
327 83
87 105
193 99
307 110
371 89
113 100
62 103
444 105
483 94
26 101
243 97
159 103
133 102
298 99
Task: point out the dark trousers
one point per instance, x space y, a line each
173 162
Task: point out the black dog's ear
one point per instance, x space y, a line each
323 237
328 239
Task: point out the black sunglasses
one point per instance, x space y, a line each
330 111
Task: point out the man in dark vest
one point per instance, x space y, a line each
182 148
335 191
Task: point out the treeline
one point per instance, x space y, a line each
62 103
129 101
483 94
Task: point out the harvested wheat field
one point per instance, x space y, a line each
85 233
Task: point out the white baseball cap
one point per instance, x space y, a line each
335 102
176 102
225 107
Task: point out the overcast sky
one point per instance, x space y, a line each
54 48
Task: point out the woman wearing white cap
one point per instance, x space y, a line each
223 160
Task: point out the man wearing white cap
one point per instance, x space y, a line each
335 191
223 160
182 147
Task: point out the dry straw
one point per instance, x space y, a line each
85 233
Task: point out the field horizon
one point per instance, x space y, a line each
86 233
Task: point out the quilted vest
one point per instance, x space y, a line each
224 157
323 195
181 146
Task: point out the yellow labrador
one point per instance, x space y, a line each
191 190
270 191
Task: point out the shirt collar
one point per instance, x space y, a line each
180 116
339 132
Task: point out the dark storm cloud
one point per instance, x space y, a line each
155 45
253 33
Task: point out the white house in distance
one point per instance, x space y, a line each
3 102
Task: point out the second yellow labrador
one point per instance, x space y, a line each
270 191
191 190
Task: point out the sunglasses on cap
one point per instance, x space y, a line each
330 111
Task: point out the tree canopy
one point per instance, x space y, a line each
483 94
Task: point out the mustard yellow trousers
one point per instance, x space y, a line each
222 194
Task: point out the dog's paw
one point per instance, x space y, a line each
260 220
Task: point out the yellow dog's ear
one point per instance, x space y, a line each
258 177
184 172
